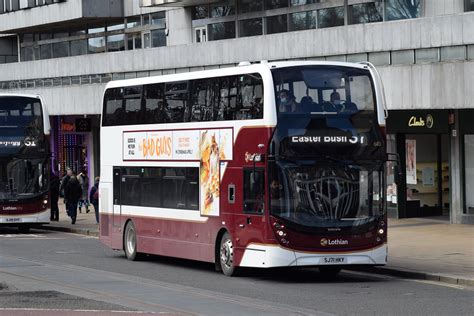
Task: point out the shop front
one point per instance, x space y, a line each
75 144
421 140
466 131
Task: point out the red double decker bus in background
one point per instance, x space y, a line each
24 161
260 165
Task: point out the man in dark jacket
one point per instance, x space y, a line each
94 198
54 196
72 194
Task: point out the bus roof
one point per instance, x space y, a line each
21 95
236 70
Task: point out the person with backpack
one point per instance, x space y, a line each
72 194
94 197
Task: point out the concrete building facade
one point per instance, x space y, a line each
424 49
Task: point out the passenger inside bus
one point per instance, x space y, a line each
286 102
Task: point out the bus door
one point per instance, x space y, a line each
250 223
117 209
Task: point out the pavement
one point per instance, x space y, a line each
419 248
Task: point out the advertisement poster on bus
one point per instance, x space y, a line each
410 145
215 146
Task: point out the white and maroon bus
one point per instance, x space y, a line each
24 161
259 165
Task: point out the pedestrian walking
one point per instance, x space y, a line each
72 194
54 185
64 181
94 198
84 182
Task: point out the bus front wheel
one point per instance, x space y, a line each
226 256
130 242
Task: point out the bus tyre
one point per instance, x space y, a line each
24 229
226 256
130 242
329 271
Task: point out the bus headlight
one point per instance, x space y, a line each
381 231
45 202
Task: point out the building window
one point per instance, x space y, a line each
427 55
220 10
116 43
453 53
275 4
402 9
219 31
331 17
403 57
45 51
96 45
251 6
78 47
60 49
295 3
303 20
251 27
134 21
366 13
158 38
277 24
134 41
158 19
469 5
200 12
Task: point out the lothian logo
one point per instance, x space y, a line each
333 242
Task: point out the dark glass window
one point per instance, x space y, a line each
277 24
302 2
115 27
158 19
176 188
133 21
402 9
250 27
469 5
176 101
251 6
60 49
303 21
205 99
155 103
200 12
78 47
113 107
116 43
158 38
133 99
218 31
250 99
220 10
275 4
331 17
254 191
228 94
366 13
45 51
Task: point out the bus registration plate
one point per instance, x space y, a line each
333 260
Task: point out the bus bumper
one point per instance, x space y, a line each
269 256
35 218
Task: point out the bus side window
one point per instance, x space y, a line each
154 96
254 191
176 101
114 113
251 97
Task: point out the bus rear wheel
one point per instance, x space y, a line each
130 242
226 256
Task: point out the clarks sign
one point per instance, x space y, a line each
418 122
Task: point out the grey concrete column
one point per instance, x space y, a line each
455 174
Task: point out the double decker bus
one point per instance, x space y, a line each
24 161
260 165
